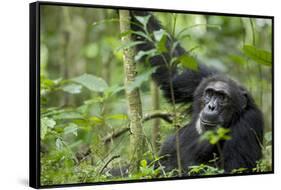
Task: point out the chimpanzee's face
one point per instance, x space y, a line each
216 105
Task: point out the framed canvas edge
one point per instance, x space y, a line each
34 92
34 96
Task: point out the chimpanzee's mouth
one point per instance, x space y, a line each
208 124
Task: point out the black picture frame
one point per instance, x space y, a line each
34 91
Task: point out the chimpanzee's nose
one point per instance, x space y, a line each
211 107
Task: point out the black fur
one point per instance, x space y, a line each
246 124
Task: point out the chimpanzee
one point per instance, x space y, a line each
217 101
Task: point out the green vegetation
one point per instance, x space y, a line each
85 123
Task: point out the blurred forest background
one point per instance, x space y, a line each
83 104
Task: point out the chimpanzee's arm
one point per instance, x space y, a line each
185 83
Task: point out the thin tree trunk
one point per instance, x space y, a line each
133 97
156 123
65 44
73 37
106 75
106 105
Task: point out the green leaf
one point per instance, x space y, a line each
143 163
214 139
260 56
59 144
117 117
140 79
43 131
161 39
268 136
239 170
158 34
237 59
222 131
188 62
72 88
215 136
68 115
91 82
129 45
46 83
45 121
143 19
142 54
71 128
161 45
113 90
96 119
142 34
45 124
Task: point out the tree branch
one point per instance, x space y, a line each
106 164
116 134
168 117
157 114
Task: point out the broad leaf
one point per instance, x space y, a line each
72 88
143 19
158 34
140 79
258 55
215 136
237 59
140 33
68 115
188 62
59 144
48 122
129 45
113 90
45 124
142 54
46 83
43 131
268 137
143 163
96 119
161 40
91 82
161 45
117 117
71 129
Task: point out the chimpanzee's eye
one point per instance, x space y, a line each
222 98
208 95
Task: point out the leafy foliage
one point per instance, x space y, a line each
45 124
91 82
214 136
82 92
188 62
140 79
260 56
203 169
72 88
